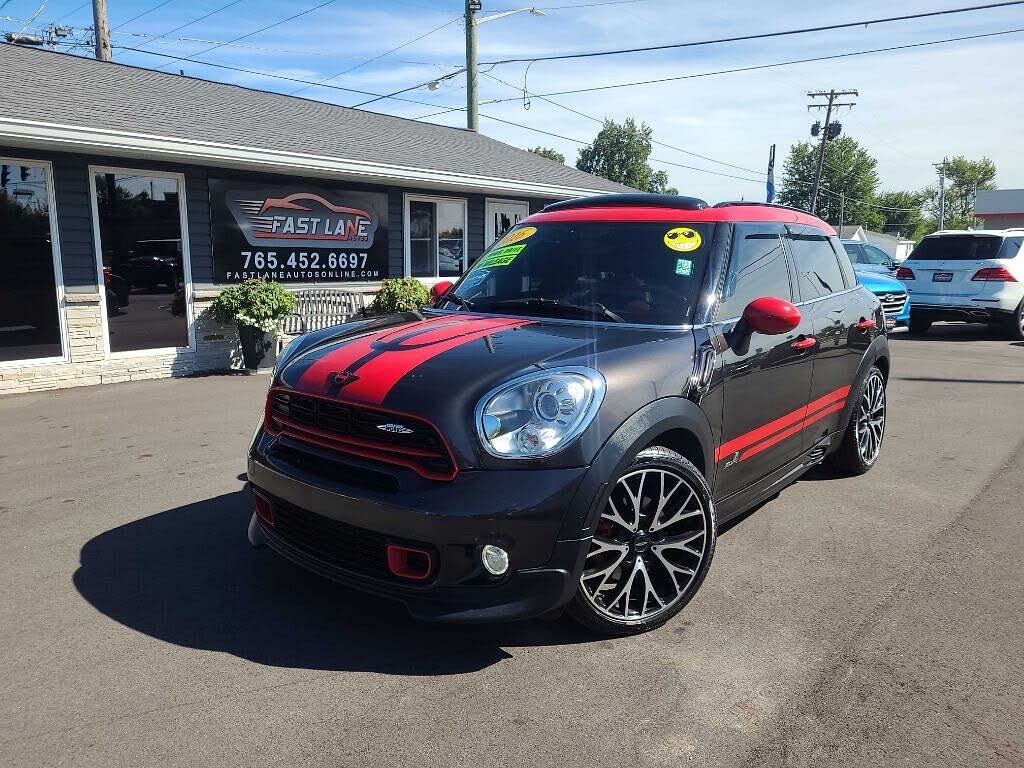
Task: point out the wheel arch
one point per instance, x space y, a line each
877 354
672 422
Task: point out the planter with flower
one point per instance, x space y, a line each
257 308
400 294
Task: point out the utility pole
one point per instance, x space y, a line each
941 168
472 104
829 131
102 29
842 211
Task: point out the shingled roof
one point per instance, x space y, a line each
72 102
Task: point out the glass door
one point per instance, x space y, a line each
143 259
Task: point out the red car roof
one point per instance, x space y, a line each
754 213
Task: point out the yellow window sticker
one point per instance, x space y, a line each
682 239
501 257
516 235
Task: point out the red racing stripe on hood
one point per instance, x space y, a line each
366 368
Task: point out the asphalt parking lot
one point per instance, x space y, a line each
867 621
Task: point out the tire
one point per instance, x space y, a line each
659 514
919 325
858 452
1015 324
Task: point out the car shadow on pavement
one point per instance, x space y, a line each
188 576
953 332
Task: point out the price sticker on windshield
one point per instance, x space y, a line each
501 257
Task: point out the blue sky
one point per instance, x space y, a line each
914 106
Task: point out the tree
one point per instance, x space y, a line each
620 153
902 213
849 170
659 184
550 154
963 179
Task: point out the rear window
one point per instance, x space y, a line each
958 248
634 272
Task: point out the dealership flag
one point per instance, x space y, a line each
771 175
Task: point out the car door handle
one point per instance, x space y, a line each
805 343
864 325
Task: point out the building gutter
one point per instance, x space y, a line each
56 136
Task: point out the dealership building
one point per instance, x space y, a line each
129 198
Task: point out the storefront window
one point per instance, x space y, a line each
143 263
29 311
437 237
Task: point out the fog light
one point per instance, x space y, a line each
495 559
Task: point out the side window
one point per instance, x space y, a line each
757 267
855 253
877 256
817 268
1012 246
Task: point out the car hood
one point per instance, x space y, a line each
438 365
877 283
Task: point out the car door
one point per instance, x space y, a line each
766 381
843 322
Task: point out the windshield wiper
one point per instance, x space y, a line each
454 298
541 303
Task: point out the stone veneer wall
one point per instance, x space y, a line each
217 348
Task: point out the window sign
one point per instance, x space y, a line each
29 312
297 233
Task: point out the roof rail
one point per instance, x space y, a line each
630 200
730 203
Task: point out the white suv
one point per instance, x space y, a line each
973 276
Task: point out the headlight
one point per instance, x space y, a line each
539 414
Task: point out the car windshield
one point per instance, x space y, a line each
632 272
957 248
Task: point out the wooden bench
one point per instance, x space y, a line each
318 308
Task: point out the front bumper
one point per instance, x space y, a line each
520 510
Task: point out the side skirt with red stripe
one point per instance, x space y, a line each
756 440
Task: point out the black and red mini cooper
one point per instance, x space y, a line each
567 425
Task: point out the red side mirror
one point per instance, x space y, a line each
771 316
440 289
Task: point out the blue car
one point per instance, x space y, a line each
890 292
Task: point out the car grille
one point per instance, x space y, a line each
407 441
892 303
340 544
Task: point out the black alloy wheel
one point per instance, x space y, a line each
861 443
652 547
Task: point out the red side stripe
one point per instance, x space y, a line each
767 430
779 437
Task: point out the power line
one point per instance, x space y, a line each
156 7
264 29
786 63
382 55
760 35
189 23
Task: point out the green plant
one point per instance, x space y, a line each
257 303
400 295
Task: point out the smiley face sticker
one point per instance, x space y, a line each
682 239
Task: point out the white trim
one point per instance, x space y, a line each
407 236
58 272
44 135
185 258
487 218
